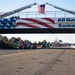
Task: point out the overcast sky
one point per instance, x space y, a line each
9 5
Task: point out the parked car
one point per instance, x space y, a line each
34 46
27 45
45 45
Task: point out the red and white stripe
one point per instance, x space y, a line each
42 10
34 23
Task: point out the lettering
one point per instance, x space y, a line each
66 20
66 26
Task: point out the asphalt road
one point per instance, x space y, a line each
38 62
3 52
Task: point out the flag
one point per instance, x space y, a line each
60 40
41 8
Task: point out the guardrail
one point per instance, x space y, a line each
34 14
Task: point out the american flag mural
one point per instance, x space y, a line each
37 23
34 23
26 23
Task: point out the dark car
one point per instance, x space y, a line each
34 46
45 45
27 45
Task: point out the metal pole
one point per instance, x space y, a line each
1 41
68 11
16 11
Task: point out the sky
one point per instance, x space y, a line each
9 5
66 38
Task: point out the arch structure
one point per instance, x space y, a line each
36 25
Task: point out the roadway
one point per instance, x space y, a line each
3 52
38 62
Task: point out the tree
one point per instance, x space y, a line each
4 39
